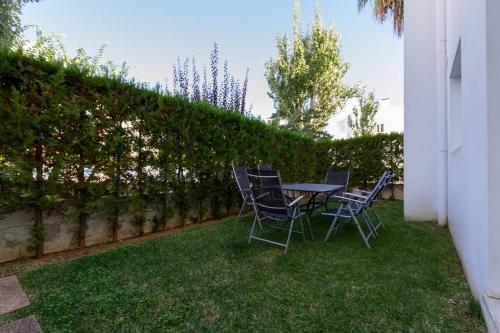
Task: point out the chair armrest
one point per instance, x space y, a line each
246 191
354 195
361 191
348 199
262 195
294 202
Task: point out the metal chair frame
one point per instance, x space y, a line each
264 167
283 210
241 176
387 176
353 205
328 180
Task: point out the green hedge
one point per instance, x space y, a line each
67 138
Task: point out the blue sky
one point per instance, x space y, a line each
150 34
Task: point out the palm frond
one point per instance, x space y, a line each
384 8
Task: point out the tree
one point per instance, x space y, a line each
305 80
382 9
10 22
51 48
362 122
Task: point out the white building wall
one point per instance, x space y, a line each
420 137
338 126
493 123
392 118
467 138
452 159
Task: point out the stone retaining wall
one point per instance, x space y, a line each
61 231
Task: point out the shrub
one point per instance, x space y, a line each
70 138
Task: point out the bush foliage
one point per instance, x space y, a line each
69 138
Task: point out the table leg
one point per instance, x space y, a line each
310 207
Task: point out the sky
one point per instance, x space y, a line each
150 34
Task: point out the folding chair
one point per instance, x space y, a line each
272 206
338 178
264 167
353 205
240 174
335 178
387 176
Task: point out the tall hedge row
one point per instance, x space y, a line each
69 139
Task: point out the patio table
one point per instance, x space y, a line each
314 189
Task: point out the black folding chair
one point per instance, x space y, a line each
335 178
240 174
388 175
272 208
353 205
338 178
264 167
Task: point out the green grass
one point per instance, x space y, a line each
210 279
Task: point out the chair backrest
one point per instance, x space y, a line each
388 175
377 190
264 167
267 192
337 178
241 176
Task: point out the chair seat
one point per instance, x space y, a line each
282 216
342 211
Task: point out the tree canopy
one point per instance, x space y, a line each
306 78
10 21
362 122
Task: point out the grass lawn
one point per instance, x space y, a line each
210 279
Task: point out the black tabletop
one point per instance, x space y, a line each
312 187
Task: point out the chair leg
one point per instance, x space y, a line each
302 228
253 227
309 226
289 235
380 222
360 230
241 209
260 224
369 223
258 220
339 226
332 226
